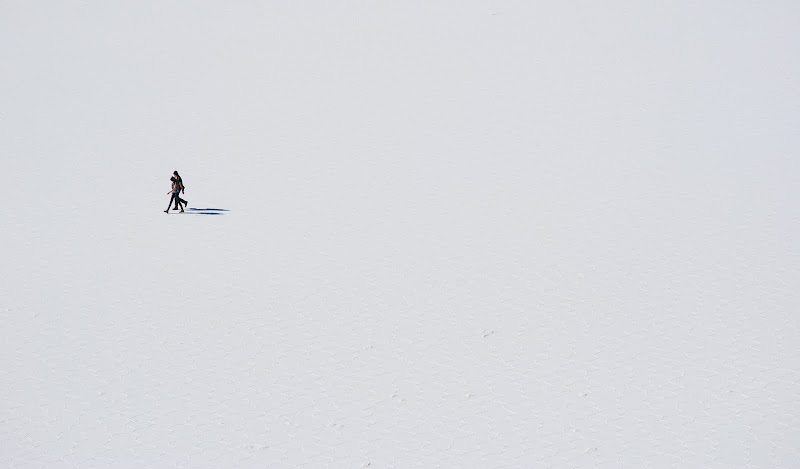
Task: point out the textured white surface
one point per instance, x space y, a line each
477 235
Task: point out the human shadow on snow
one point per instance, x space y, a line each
206 211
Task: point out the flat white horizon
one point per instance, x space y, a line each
459 234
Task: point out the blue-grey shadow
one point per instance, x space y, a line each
206 211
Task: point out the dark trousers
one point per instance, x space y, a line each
180 201
177 199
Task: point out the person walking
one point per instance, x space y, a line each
182 189
175 195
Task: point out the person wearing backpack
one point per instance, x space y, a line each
182 189
179 202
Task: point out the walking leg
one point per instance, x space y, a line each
170 203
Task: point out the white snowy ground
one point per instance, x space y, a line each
460 234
